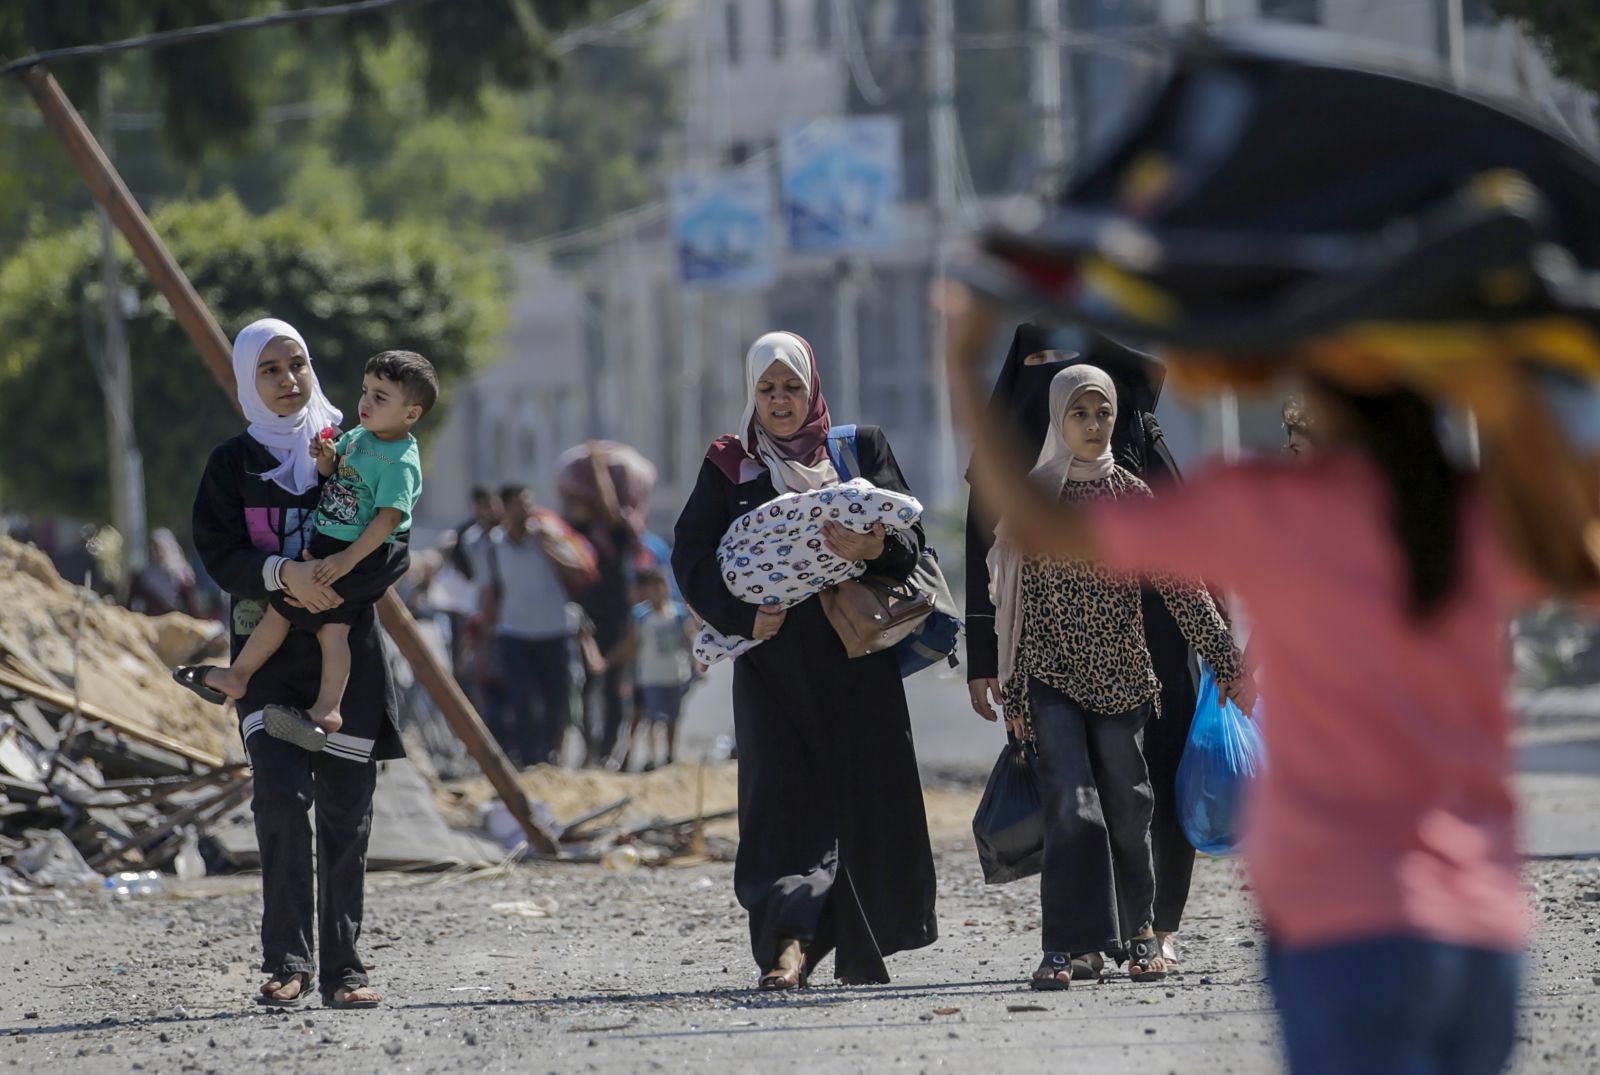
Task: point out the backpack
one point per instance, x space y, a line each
935 639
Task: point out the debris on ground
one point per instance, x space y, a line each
104 761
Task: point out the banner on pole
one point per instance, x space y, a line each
723 225
842 184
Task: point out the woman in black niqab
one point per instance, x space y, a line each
1022 395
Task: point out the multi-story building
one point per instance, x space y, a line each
618 348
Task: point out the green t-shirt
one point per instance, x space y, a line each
372 474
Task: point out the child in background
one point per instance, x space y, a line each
663 641
374 477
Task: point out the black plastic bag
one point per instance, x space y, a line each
1009 824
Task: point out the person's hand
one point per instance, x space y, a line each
1241 692
300 583
768 621
981 691
333 568
846 543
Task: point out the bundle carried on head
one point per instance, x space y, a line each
1255 215
632 475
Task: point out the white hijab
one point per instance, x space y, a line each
1055 467
287 438
789 474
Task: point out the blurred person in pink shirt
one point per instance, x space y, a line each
1447 257
1381 839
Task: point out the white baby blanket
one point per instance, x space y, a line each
775 555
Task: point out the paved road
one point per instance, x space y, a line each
948 734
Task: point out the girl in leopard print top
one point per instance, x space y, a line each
1076 679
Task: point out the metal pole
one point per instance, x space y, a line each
124 467
847 336
1047 94
203 331
1453 38
941 74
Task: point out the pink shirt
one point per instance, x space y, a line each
1385 807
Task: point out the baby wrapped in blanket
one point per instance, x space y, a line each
776 555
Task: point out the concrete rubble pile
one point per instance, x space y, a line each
105 763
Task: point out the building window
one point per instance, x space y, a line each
1306 11
780 27
822 23
730 19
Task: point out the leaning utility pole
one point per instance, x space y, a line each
203 331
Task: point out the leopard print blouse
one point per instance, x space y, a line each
1083 626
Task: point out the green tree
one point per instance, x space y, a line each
1568 30
213 91
353 288
512 164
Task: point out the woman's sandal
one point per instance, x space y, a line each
1144 960
193 677
1055 971
291 724
795 977
278 984
340 1000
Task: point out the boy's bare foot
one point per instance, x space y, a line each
285 990
227 681
329 721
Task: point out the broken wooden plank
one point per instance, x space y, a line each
133 730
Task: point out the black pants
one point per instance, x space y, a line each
1164 739
605 705
531 711
1098 883
288 783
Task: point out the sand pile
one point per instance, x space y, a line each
668 793
126 657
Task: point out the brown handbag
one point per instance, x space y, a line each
875 612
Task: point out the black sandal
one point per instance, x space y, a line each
1144 953
1051 968
291 724
193 677
284 981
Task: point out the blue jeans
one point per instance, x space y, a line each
1396 1005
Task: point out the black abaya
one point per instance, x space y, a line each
833 839
1021 395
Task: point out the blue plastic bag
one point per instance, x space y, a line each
1223 755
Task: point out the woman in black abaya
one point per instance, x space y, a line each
833 841
1022 395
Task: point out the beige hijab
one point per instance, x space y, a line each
1055 467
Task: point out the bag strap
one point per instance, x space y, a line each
842 450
